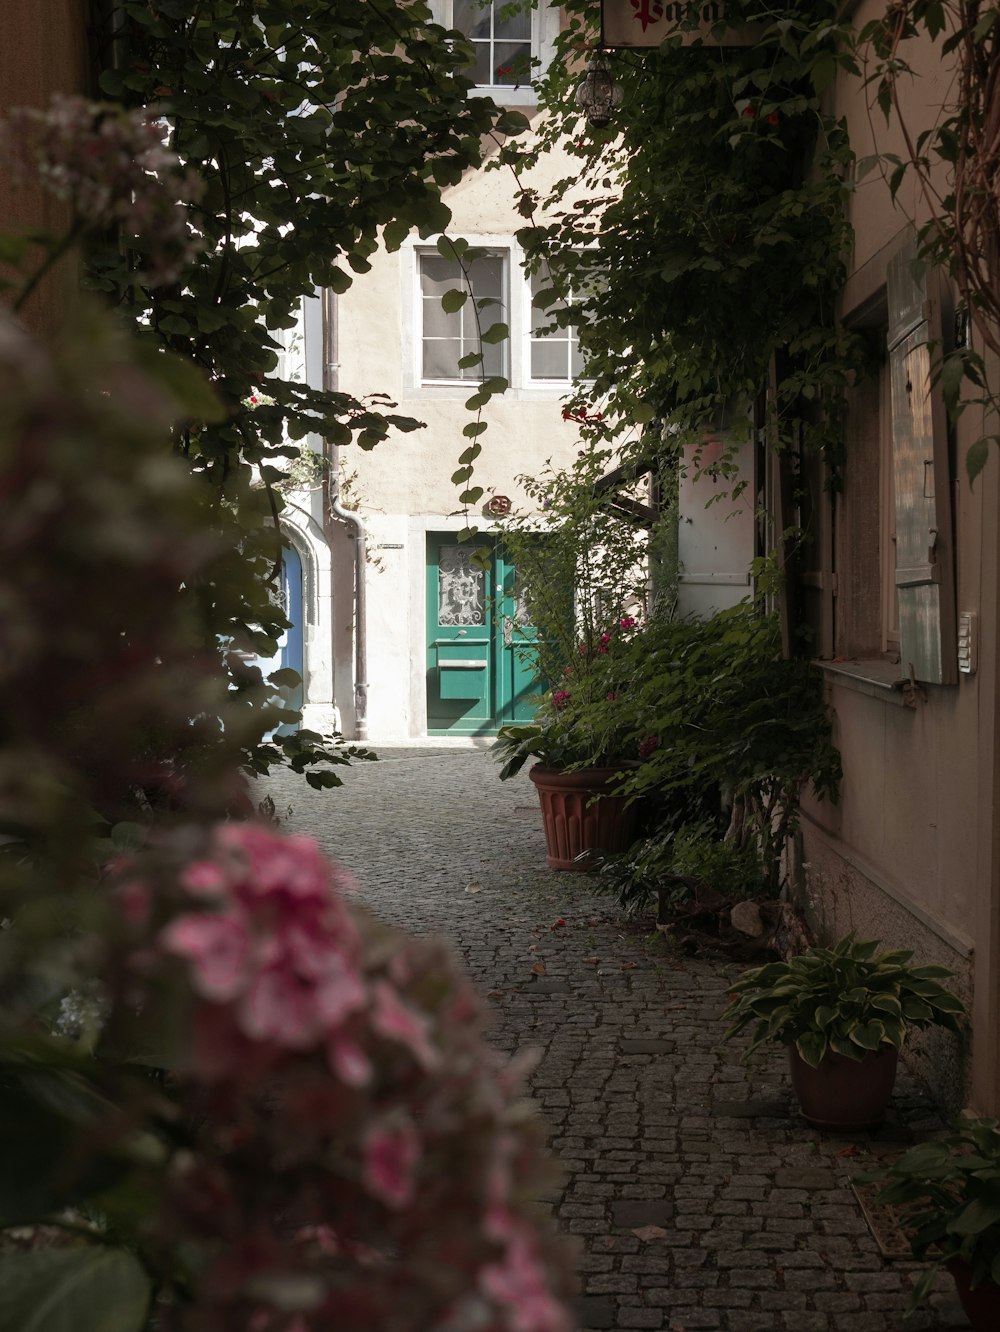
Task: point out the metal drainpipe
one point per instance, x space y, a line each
332 508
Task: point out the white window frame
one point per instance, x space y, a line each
553 385
545 18
517 317
492 314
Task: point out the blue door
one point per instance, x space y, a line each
291 645
290 652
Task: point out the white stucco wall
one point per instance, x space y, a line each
403 487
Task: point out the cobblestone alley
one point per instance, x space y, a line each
698 1197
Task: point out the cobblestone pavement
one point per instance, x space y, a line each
699 1198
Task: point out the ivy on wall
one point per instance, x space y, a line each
707 225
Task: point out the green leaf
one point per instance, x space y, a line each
978 1216
495 333
868 1035
474 428
469 359
977 458
450 247
285 676
185 382
86 1289
453 300
811 1045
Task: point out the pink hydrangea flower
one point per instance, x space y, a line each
395 1020
391 1154
114 169
280 947
218 947
518 1280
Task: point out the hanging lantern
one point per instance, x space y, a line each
599 94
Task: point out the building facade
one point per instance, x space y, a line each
903 597
438 625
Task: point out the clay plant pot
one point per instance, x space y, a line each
579 818
982 1302
845 1094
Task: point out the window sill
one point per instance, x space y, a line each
506 94
874 676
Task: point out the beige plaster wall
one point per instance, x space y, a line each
874 215
403 487
910 853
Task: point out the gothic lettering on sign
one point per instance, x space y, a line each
646 23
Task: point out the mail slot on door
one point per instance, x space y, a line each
462 677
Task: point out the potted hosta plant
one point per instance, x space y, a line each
947 1194
843 1013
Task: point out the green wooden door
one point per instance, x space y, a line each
520 685
479 662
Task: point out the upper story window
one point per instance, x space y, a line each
500 33
446 337
513 41
554 355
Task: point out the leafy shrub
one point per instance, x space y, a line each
662 869
849 1000
714 703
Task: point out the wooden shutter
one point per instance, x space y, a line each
925 577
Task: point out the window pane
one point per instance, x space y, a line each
511 25
577 361
441 358
482 71
438 275
512 62
494 359
549 360
461 587
472 19
449 337
487 278
437 324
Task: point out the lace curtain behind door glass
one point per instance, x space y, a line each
461 587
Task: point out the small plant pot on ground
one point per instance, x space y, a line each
844 1094
580 816
946 1192
981 1303
844 1013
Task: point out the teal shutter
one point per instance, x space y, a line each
925 563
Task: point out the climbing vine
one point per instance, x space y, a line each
707 226
955 162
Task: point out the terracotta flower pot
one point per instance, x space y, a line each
844 1093
575 821
981 1303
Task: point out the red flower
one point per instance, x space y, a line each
750 112
772 119
649 746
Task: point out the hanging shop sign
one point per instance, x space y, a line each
647 23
